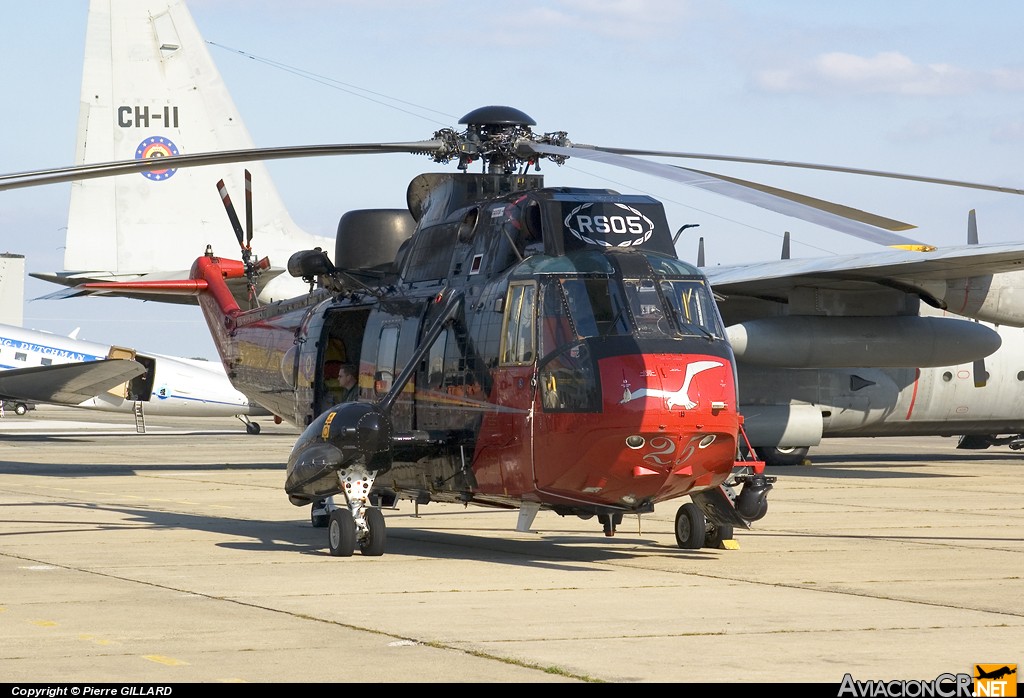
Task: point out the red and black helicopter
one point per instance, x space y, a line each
517 345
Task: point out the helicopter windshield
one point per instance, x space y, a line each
577 308
584 296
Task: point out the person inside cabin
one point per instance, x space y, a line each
341 381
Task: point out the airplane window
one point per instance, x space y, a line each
46 362
20 356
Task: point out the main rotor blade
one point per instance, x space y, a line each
56 175
804 165
792 204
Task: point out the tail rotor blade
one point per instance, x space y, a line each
230 208
248 209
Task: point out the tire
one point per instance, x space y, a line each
690 527
252 428
318 520
782 456
372 543
341 533
716 534
20 409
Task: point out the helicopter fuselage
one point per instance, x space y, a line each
579 365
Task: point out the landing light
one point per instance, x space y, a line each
707 441
634 442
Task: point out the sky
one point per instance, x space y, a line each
930 88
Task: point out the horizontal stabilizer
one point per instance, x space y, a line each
67 384
166 287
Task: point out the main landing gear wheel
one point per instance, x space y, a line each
690 526
341 533
20 409
318 514
716 534
376 532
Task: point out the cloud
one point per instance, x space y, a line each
888 72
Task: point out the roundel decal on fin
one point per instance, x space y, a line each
156 147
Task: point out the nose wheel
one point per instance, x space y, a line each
345 534
341 533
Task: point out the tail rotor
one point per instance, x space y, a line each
244 237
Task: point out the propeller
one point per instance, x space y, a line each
244 237
502 139
807 166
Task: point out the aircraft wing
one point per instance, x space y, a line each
67 384
899 268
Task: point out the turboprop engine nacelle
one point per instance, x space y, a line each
996 298
861 342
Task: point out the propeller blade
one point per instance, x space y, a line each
794 205
785 245
806 166
972 227
56 175
700 253
248 209
230 208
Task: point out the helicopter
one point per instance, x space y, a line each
517 346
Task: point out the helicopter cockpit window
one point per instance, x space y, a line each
568 376
517 346
555 327
597 307
648 308
692 307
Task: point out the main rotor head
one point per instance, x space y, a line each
493 134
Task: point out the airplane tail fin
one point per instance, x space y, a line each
151 89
